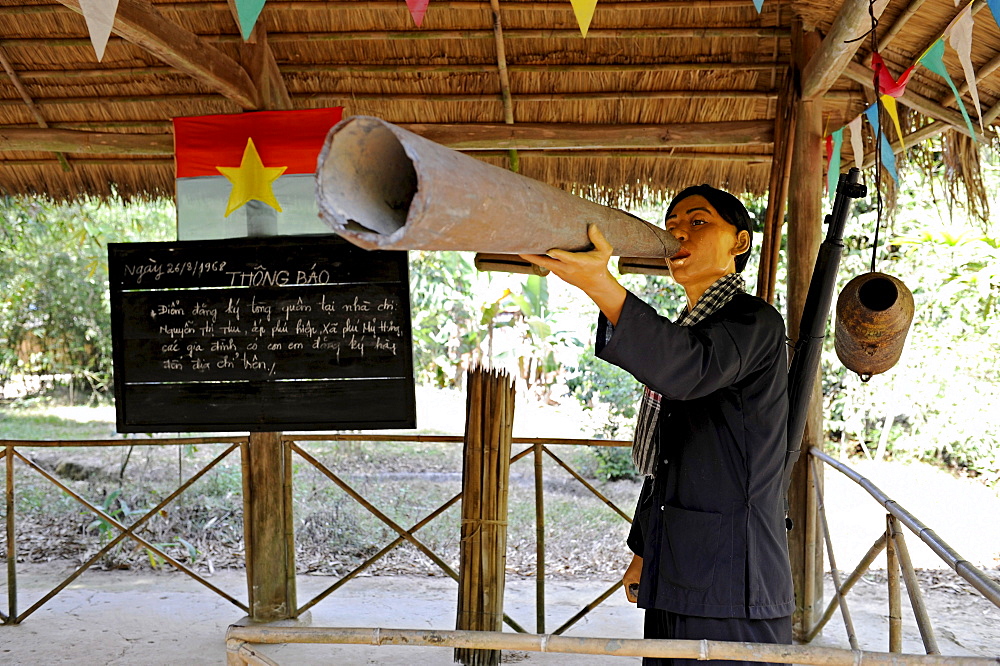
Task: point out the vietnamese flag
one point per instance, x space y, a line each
249 174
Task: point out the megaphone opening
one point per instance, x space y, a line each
369 177
878 294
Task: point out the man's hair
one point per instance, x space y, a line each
729 208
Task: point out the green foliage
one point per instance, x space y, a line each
53 272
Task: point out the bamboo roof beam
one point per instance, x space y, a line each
901 20
836 50
643 5
79 142
464 137
948 99
706 32
508 104
929 107
138 22
29 102
134 72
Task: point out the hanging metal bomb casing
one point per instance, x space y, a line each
383 187
874 312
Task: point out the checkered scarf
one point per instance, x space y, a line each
644 444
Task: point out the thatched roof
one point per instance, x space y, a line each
649 73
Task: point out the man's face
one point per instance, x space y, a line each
709 244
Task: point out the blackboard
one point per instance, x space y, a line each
267 334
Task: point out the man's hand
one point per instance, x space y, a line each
587 271
631 578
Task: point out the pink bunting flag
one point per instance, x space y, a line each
961 40
884 80
417 10
584 12
100 18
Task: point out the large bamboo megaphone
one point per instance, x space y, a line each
382 187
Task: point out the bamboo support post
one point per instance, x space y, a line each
913 591
267 525
852 636
855 576
630 647
892 574
539 541
11 539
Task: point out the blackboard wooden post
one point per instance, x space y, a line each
267 528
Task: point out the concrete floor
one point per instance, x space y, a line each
122 618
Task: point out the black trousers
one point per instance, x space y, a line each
664 624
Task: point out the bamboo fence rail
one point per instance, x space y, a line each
238 636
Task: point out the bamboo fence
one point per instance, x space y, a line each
486 466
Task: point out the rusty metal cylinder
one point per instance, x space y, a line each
874 312
382 187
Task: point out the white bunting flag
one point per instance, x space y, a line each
857 147
100 18
961 40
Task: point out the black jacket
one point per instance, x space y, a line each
710 526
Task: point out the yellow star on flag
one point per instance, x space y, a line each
251 180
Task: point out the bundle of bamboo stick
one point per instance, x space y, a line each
485 472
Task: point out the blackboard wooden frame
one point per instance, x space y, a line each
184 314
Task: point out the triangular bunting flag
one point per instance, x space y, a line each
889 103
248 11
417 10
836 140
857 145
584 11
759 4
933 59
886 83
961 40
100 18
885 150
995 9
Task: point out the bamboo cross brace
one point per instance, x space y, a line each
589 607
388 521
126 531
855 576
399 540
913 590
852 636
587 485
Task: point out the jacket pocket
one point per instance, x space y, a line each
689 550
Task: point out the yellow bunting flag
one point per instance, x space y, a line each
584 10
889 102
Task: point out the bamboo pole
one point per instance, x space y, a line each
855 576
892 571
852 636
539 541
913 591
173 441
11 538
630 647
